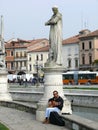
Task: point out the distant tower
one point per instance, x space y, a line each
2 35
2 48
4 94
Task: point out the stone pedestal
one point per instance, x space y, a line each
4 94
53 81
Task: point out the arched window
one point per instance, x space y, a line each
41 57
69 63
76 62
37 58
83 59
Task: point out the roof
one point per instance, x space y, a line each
91 34
71 40
82 34
16 43
36 41
42 49
18 40
36 44
95 33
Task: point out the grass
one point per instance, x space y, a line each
80 88
3 127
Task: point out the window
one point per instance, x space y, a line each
20 54
12 43
6 65
41 56
90 45
76 62
25 54
29 58
12 65
83 45
16 65
90 59
11 53
17 54
24 63
69 63
20 64
83 59
30 67
37 58
6 53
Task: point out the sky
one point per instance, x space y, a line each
25 19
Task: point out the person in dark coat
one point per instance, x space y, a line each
54 104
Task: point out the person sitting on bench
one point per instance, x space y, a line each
54 104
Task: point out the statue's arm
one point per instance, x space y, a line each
57 18
54 20
49 22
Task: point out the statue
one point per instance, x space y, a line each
2 58
55 37
53 67
2 48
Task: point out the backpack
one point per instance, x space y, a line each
56 119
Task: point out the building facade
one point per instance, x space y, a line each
70 53
79 52
88 48
37 59
19 56
16 56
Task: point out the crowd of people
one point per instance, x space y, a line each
25 81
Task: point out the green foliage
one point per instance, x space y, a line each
96 61
3 127
89 88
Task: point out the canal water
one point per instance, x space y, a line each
89 113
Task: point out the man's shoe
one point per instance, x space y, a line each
45 121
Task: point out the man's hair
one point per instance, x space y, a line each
55 91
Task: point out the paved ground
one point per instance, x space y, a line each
19 120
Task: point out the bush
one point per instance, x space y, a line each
3 127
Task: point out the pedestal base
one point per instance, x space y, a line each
40 113
4 94
53 81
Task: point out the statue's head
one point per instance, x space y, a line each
55 9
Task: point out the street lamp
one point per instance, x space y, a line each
39 72
37 68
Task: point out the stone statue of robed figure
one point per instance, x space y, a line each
53 67
55 38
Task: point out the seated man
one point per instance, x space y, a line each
54 104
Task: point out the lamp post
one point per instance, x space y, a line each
39 73
37 68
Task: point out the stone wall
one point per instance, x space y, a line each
26 96
89 100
